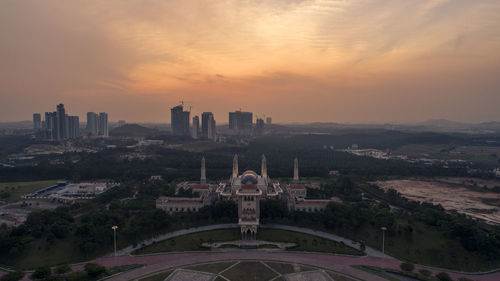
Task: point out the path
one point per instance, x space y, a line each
340 264
369 251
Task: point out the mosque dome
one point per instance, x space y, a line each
249 177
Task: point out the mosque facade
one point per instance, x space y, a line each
247 189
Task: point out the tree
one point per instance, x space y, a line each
425 272
63 268
42 272
94 270
406 266
13 276
443 276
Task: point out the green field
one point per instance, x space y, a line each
17 189
192 242
482 155
306 242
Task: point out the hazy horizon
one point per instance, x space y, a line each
358 62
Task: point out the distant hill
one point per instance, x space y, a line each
132 130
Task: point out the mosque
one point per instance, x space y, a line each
247 189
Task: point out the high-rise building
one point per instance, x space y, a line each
102 124
212 129
240 122
74 127
37 121
196 127
208 129
50 125
179 120
269 121
92 123
259 126
61 120
57 125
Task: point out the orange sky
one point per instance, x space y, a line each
297 61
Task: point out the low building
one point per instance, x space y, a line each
180 204
297 190
307 205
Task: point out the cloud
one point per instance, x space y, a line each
274 56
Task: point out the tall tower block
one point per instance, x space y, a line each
296 170
203 178
235 166
263 167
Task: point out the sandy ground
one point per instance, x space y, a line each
452 196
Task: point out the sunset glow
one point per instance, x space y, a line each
330 61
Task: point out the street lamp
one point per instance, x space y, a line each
383 238
114 227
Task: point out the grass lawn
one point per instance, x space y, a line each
191 242
157 277
211 267
306 242
249 271
484 155
17 189
424 246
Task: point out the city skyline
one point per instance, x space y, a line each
331 61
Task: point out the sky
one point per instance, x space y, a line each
349 61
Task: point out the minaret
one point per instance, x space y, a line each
263 167
296 170
203 179
235 166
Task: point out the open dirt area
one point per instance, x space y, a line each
452 196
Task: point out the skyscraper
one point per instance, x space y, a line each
74 127
259 126
37 121
212 129
240 123
92 123
269 121
51 125
61 128
208 129
196 127
102 125
57 125
179 120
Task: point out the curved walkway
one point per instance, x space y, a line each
369 251
342 264
130 249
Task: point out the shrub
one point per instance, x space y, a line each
12 276
425 272
94 270
77 276
63 268
42 272
464 279
406 266
443 276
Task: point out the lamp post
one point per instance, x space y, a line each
114 227
383 238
